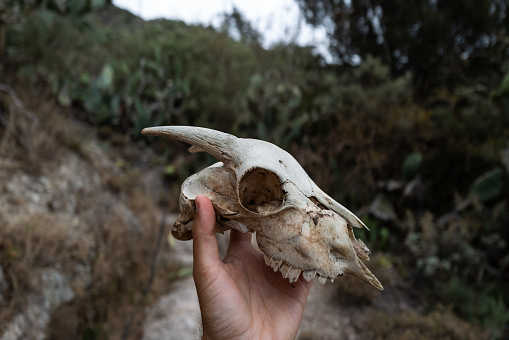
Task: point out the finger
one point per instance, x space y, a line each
237 236
205 251
238 240
307 284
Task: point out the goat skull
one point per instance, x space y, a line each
261 188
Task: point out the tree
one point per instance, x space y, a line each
237 26
439 41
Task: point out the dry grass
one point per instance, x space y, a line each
105 245
441 324
30 243
119 260
392 314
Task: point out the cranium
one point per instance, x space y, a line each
261 188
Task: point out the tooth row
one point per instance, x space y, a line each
267 260
291 273
275 264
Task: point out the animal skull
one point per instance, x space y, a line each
261 188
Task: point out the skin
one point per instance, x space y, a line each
240 297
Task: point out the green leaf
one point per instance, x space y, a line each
503 90
105 80
411 165
85 78
77 7
98 4
185 271
169 170
64 97
488 186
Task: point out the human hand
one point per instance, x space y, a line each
241 297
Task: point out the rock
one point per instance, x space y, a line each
31 323
176 315
382 208
324 318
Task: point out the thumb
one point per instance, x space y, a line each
205 251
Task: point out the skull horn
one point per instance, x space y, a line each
216 143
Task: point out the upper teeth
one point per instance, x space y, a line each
292 273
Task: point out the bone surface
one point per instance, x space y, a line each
259 187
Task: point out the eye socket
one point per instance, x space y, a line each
260 191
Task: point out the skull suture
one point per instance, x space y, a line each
261 188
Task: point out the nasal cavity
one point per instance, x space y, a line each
339 253
260 191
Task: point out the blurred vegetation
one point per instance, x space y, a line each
443 43
428 170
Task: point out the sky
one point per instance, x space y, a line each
277 20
